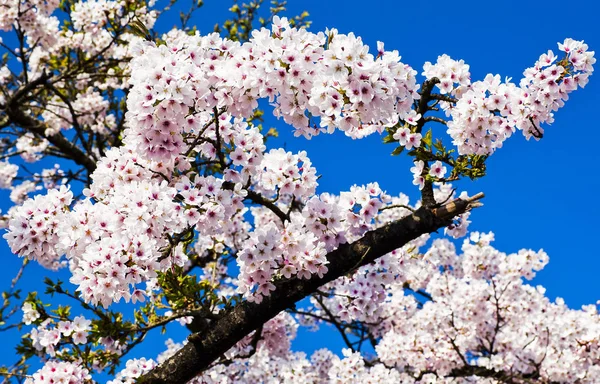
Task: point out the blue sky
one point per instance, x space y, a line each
538 194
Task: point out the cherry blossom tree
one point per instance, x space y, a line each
168 197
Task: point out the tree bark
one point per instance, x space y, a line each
206 347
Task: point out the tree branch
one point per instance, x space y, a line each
257 198
59 141
204 348
422 107
18 117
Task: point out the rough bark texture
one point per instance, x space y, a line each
204 348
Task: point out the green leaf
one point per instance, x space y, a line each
427 139
397 151
389 138
139 29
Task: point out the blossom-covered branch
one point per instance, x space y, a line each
204 348
183 183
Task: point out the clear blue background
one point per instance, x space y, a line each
538 194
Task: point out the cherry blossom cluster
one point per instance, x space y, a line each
449 72
336 220
19 193
116 238
548 83
209 207
121 166
30 148
89 31
417 171
476 305
34 17
30 313
284 173
59 372
269 251
91 16
48 334
332 77
91 27
481 261
8 172
134 368
249 145
34 227
118 242
274 173
278 333
459 227
262 367
352 368
112 244
5 76
405 136
488 112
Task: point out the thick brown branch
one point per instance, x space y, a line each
422 107
205 348
17 117
502 376
22 92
